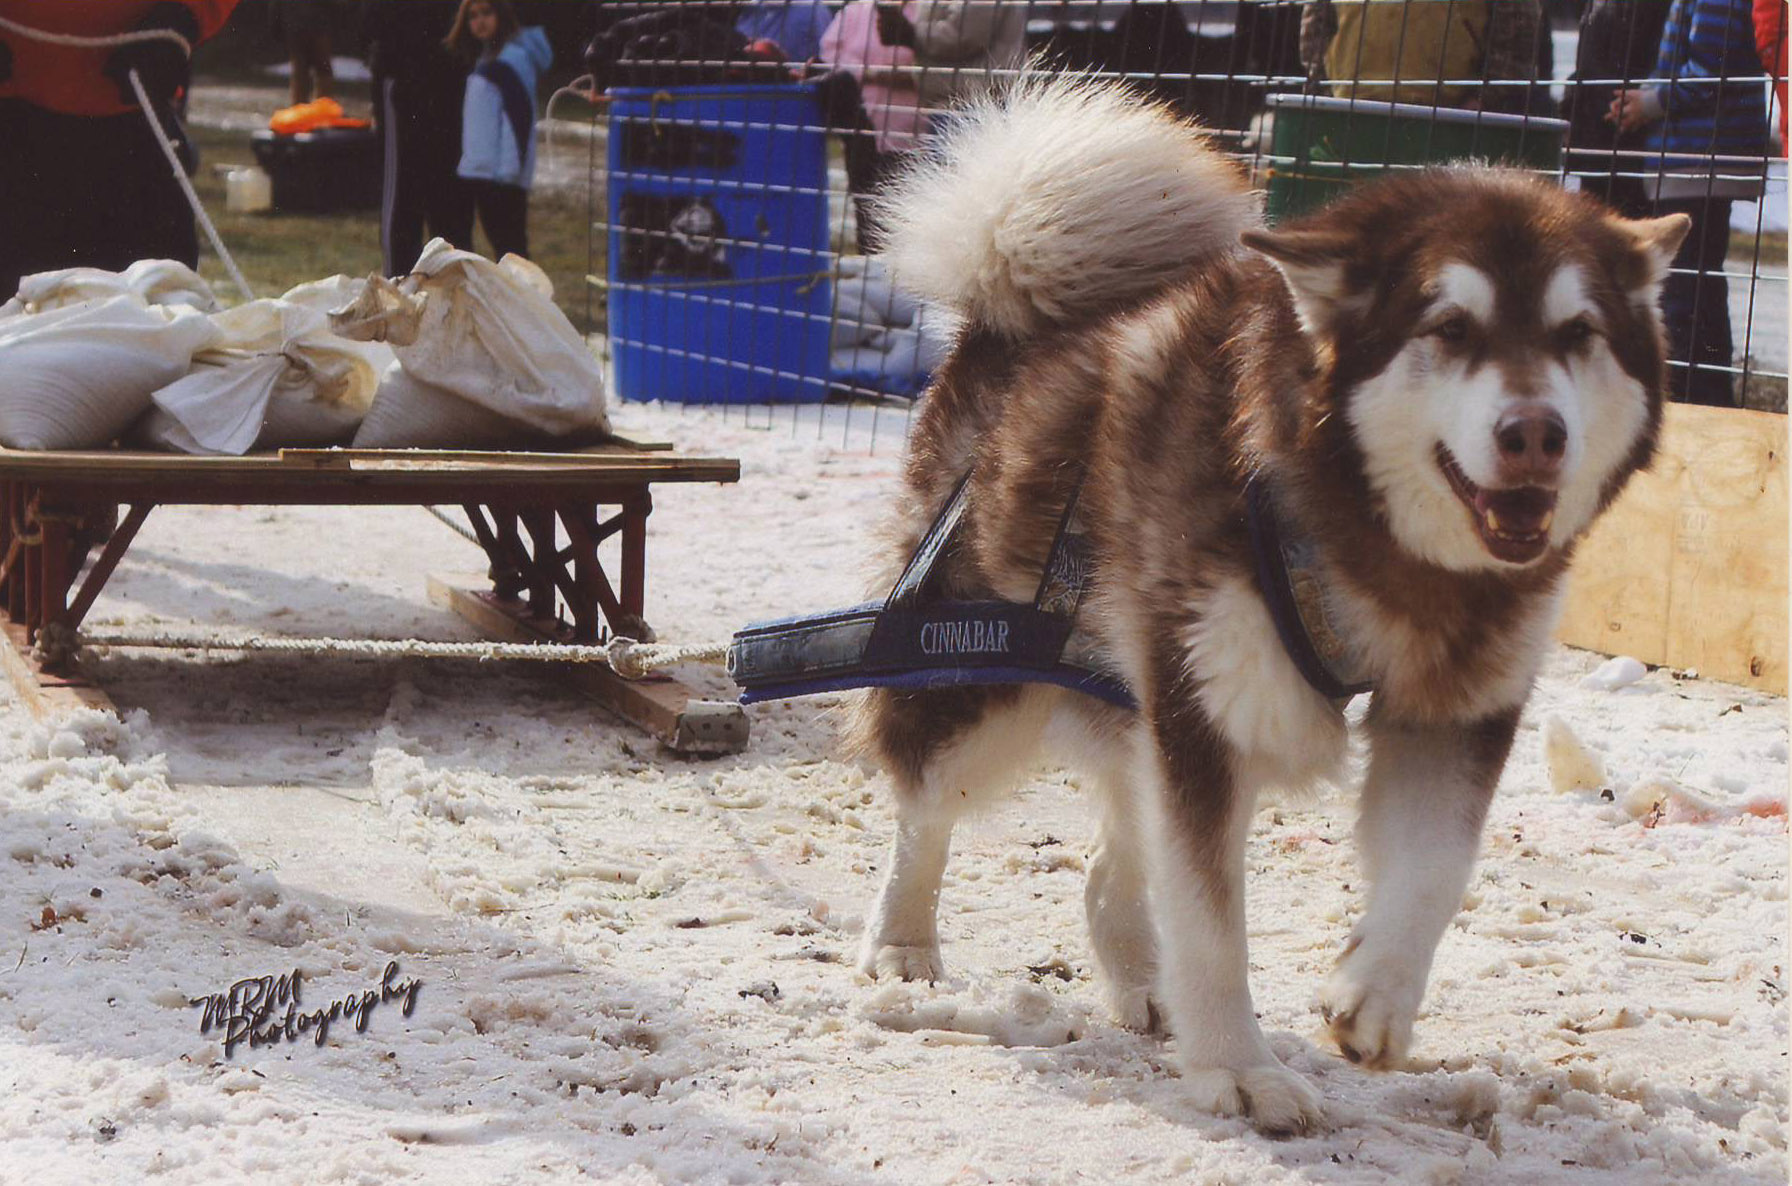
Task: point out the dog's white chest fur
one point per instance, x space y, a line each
1255 696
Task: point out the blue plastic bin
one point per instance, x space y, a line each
719 261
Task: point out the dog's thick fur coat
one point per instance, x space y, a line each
1443 378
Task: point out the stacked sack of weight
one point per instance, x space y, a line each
463 353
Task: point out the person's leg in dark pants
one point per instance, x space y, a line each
843 107
402 192
449 204
504 213
297 60
423 195
147 215
401 218
321 69
18 213
91 191
1695 306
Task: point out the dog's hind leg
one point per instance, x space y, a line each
947 751
1424 801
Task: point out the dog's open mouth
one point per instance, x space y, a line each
1513 524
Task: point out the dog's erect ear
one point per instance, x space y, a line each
1658 239
1313 263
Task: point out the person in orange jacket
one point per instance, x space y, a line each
84 181
1770 41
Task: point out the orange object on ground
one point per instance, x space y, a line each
309 117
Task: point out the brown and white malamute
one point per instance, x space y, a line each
1432 388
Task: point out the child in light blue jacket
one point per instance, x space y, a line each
498 117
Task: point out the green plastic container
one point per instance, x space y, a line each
1323 145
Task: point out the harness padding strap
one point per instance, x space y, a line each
915 639
1288 577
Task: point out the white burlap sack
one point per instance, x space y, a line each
154 281
76 376
278 378
329 293
408 413
488 333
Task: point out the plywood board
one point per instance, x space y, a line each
1689 568
325 467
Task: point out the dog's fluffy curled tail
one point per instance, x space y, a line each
1055 198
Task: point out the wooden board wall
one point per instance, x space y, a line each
1688 568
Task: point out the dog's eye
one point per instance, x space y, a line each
1452 329
1572 335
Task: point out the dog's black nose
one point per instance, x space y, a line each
1531 441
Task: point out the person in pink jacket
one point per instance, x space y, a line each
872 97
885 73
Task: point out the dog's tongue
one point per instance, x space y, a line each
1526 511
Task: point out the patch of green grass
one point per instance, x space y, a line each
1772 248
277 250
561 242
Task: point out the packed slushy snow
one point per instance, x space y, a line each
635 967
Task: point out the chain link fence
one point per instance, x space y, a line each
736 149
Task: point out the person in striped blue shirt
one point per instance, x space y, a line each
1705 110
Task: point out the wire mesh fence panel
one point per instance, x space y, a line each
737 159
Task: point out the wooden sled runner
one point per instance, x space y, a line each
52 503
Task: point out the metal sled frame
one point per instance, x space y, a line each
916 639
50 502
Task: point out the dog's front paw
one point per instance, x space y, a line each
1274 1098
1370 1007
892 962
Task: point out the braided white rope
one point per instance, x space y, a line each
451 524
149 115
110 41
627 658
186 187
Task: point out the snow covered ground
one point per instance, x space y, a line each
638 968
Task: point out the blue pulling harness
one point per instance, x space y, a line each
917 639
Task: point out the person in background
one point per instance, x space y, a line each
305 26
794 26
1770 41
871 97
497 153
1428 51
1706 122
418 91
1619 41
960 46
83 180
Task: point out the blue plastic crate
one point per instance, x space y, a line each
718 265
